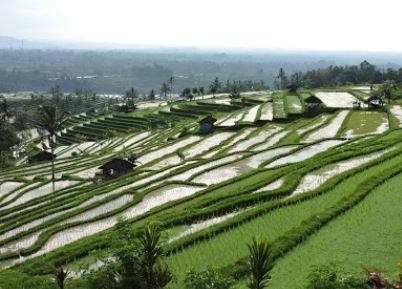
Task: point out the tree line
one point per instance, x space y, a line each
233 87
334 76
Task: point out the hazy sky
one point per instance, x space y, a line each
293 24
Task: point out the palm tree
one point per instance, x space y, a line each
151 95
131 95
155 275
165 89
60 276
215 86
50 120
171 82
281 80
259 264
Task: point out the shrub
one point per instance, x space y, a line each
329 277
208 279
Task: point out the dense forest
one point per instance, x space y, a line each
115 71
333 76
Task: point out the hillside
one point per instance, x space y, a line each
310 178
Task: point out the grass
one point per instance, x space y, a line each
293 103
278 105
366 236
392 119
227 248
218 246
364 122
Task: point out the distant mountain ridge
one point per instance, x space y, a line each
8 42
14 43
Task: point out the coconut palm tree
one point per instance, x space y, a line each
165 89
259 264
51 121
171 82
60 276
281 80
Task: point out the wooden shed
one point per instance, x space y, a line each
374 102
312 101
207 124
126 108
41 156
116 168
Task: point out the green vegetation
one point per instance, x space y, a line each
279 107
210 195
259 264
270 226
354 241
8 139
293 104
51 121
365 122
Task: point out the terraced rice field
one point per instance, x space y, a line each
330 129
251 114
293 104
279 108
231 120
305 183
341 242
364 89
396 111
365 122
226 101
266 112
336 99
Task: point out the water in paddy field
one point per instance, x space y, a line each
305 153
150 201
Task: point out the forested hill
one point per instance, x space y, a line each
115 71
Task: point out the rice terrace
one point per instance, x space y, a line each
200 144
311 171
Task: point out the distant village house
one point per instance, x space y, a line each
125 108
374 102
312 102
116 168
41 157
207 124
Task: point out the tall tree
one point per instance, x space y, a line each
171 81
131 95
4 109
51 121
186 93
215 86
8 139
281 79
60 276
151 95
234 90
259 264
296 81
165 89
386 89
